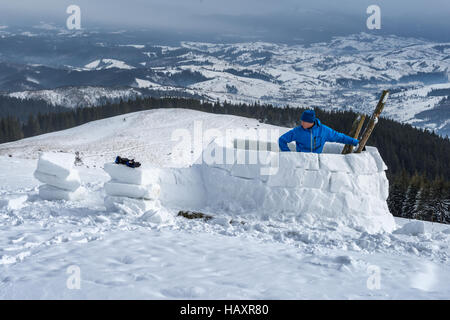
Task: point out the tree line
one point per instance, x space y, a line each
418 160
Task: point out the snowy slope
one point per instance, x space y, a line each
143 135
107 64
126 256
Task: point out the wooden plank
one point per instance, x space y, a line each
354 132
373 121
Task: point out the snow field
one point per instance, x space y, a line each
126 252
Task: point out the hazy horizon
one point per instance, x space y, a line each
282 21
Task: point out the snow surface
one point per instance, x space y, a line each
150 253
107 64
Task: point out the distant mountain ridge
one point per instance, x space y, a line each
346 73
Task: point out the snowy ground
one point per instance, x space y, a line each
125 256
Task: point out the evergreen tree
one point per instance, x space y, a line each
409 204
422 209
397 193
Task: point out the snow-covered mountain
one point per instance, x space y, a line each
75 97
345 73
228 256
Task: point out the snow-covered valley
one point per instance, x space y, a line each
347 72
230 256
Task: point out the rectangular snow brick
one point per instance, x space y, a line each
305 160
313 178
184 187
70 183
115 188
333 148
383 184
367 184
47 192
377 157
341 182
247 171
334 163
137 176
284 177
57 164
362 163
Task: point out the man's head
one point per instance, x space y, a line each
308 118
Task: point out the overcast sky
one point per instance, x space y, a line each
273 19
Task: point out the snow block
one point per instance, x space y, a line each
367 183
70 183
115 188
413 228
383 184
341 182
50 193
362 163
252 164
281 200
334 163
247 171
131 206
377 157
57 164
284 177
138 176
183 188
314 179
228 192
13 202
305 160
333 148
157 216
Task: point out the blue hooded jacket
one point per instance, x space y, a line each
314 138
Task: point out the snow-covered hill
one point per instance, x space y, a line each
143 135
229 256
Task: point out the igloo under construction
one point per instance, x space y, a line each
252 177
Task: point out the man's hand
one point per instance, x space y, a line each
355 142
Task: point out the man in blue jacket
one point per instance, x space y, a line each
312 135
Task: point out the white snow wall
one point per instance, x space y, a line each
348 190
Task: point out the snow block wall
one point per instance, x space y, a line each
134 191
60 178
348 189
